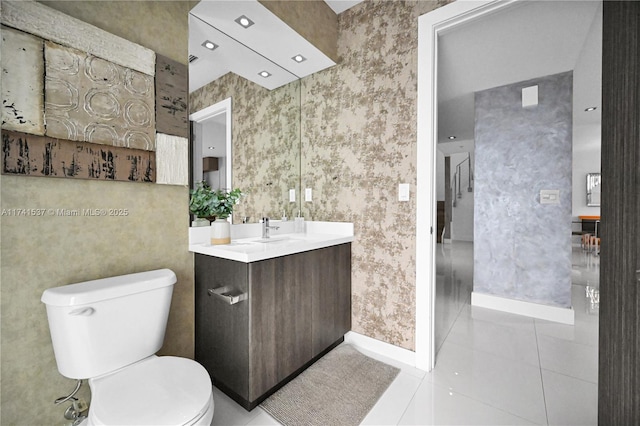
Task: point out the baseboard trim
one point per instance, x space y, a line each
519 307
388 350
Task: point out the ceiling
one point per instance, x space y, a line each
527 40
273 44
340 6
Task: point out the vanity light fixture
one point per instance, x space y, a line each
210 45
590 109
299 58
244 22
264 74
452 137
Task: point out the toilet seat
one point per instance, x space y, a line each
156 391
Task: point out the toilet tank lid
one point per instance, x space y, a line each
108 288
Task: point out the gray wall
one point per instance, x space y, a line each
522 247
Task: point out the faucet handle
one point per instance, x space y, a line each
265 220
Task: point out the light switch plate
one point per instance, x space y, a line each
292 195
403 192
549 196
307 194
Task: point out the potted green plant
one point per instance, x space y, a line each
217 206
200 203
223 202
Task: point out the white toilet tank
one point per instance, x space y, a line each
102 325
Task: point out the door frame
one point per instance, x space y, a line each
430 26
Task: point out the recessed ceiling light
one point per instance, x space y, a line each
299 58
264 74
452 137
211 147
244 22
590 109
210 45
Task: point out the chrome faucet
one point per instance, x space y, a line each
266 227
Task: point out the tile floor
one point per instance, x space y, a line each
492 368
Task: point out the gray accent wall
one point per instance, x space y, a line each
522 248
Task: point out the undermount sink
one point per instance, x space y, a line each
273 240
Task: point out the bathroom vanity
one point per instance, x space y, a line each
266 309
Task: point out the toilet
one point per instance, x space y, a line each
108 331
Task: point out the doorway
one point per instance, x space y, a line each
432 27
211 150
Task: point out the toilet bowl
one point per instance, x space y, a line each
155 391
108 331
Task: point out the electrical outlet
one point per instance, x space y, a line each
307 194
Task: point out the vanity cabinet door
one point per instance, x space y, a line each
222 330
329 271
280 340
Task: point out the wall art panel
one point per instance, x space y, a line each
172 157
50 24
32 155
90 99
172 91
22 87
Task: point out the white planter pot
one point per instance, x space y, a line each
200 221
220 232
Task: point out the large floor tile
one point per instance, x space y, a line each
404 368
585 301
496 339
512 386
570 401
392 404
581 332
568 358
263 419
228 413
504 319
435 405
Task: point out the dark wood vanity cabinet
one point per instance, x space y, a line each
291 310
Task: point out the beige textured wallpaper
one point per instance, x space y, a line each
359 136
49 237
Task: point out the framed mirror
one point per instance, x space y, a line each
593 189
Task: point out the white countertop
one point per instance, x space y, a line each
252 247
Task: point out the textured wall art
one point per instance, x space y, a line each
22 86
90 99
172 154
49 24
32 155
172 91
